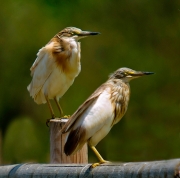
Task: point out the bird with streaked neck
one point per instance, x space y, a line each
56 66
100 112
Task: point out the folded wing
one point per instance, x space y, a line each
90 117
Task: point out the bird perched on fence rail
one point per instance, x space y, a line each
96 116
56 66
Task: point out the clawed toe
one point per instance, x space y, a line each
66 116
48 121
99 163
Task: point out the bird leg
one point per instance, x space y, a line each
59 107
98 156
50 107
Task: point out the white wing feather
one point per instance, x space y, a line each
41 71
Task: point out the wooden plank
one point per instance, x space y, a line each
57 142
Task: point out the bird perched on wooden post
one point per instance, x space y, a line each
56 66
96 116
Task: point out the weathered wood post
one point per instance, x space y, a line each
57 141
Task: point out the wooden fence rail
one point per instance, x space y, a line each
154 169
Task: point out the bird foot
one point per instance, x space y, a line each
48 121
99 163
66 116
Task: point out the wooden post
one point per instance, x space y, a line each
57 142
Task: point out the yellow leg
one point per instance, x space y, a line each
59 107
50 107
98 156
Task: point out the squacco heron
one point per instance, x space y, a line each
100 112
56 66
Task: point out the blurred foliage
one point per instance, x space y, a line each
25 143
143 35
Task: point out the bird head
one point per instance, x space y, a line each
127 74
76 33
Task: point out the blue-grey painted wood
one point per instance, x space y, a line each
153 169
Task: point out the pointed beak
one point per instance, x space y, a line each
140 73
87 33
148 73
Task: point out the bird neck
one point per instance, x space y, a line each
120 94
126 80
72 62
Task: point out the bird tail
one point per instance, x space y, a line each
38 97
75 141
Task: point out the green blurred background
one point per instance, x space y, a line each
142 35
